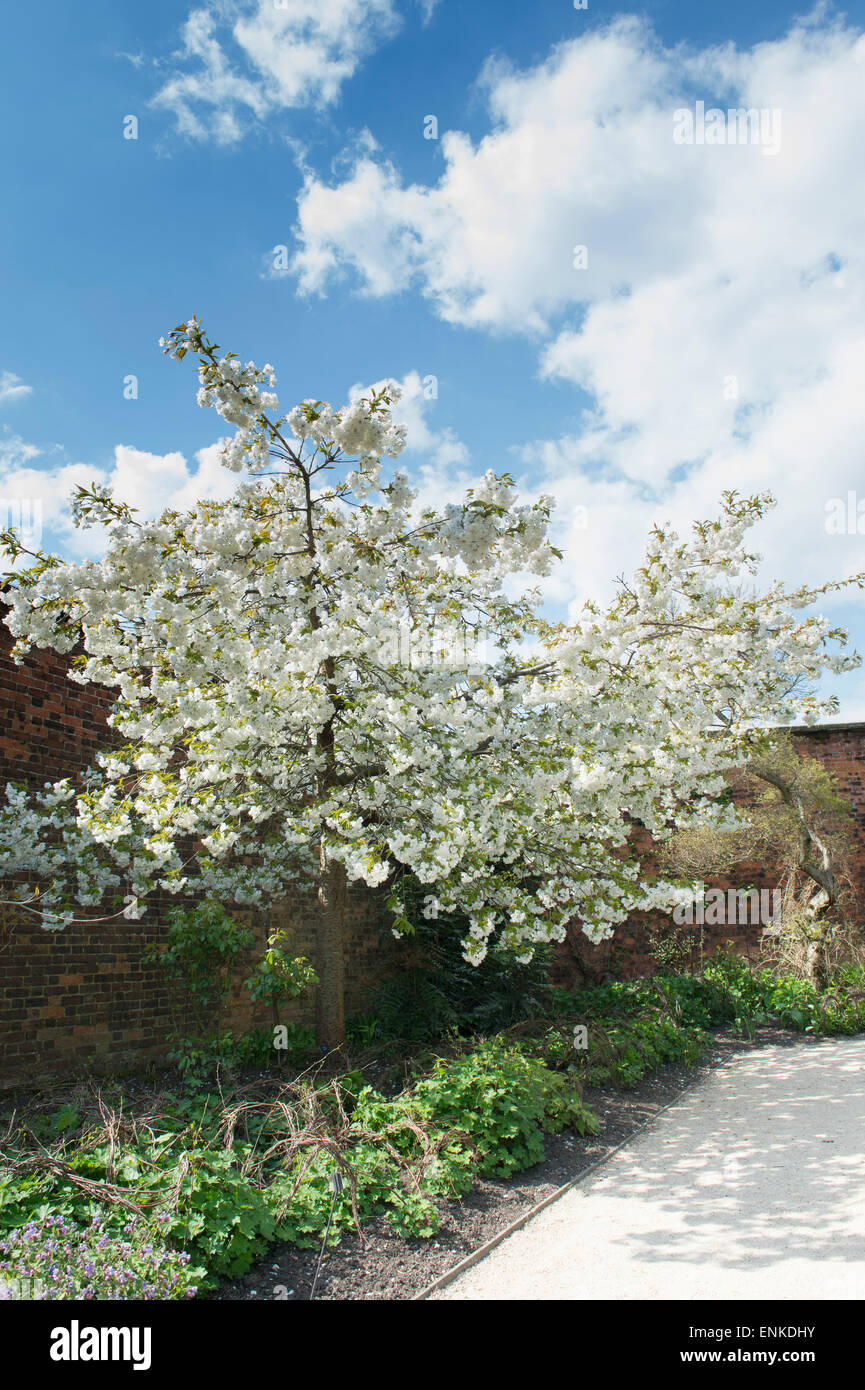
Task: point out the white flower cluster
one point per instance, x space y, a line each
362 428
273 711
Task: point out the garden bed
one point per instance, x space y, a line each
226 1180
383 1266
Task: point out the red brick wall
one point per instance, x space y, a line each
50 727
87 998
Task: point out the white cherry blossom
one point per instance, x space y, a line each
301 696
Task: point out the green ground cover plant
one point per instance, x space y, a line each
186 1186
222 1173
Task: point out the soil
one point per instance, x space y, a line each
382 1266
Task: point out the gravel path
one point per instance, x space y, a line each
752 1185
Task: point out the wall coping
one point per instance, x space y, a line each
857 726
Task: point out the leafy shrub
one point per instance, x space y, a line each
380 1190
797 1004
229 1178
280 975
504 1100
210 1209
441 992
220 1218
671 948
55 1258
631 1028
695 1000
362 1030
65 1118
198 1058
414 1007
619 997
731 991
622 1053
740 991
755 997
487 1110
844 1016
202 946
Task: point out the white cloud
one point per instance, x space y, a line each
148 482
153 482
717 333
138 60
12 388
492 243
243 59
581 153
14 451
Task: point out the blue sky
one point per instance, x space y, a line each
714 338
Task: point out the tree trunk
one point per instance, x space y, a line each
813 858
330 963
816 951
815 964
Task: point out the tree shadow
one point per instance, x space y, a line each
777 1177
